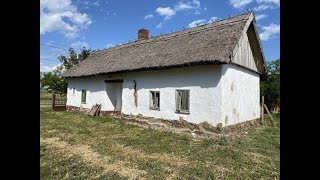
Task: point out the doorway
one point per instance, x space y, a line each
114 92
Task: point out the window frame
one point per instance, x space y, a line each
151 100
176 99
85 98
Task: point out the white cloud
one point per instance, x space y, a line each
197 12
44 68
205 8
167 12
47 68
277 2
197 23
159 26
267 4
109 45
96 3
261 7
261 16
187 5
212 19
196 2
240 3
60 66
264 4
79 45
149 16
182 6
62 16
269 31
264 7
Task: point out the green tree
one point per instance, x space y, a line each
270 86
74 58
52 81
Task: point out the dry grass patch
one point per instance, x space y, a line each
93 158
108 148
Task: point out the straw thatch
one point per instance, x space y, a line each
207 44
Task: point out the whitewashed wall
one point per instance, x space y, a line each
96 93
240 95
202 81
226 94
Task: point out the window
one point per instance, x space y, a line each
73 90
155 100
182 101
83 96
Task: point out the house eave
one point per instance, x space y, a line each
151 68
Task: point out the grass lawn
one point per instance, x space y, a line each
75 146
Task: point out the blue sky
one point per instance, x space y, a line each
99 24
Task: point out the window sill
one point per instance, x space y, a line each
180 112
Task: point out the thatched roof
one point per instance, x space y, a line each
207 44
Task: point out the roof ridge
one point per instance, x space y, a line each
165 36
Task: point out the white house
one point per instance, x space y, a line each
207 73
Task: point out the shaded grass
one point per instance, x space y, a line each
160 154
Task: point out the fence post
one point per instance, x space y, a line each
53 101
262 110
273 121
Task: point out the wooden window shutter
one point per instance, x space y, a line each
182 100
157 99
151 99
178 100
187 100
154 100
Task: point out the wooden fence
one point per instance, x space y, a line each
55 101
59 102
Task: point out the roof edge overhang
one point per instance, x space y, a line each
204 62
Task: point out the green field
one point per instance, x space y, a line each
75 146
45 99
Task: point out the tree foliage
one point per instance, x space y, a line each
74 58
270 86
53 80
